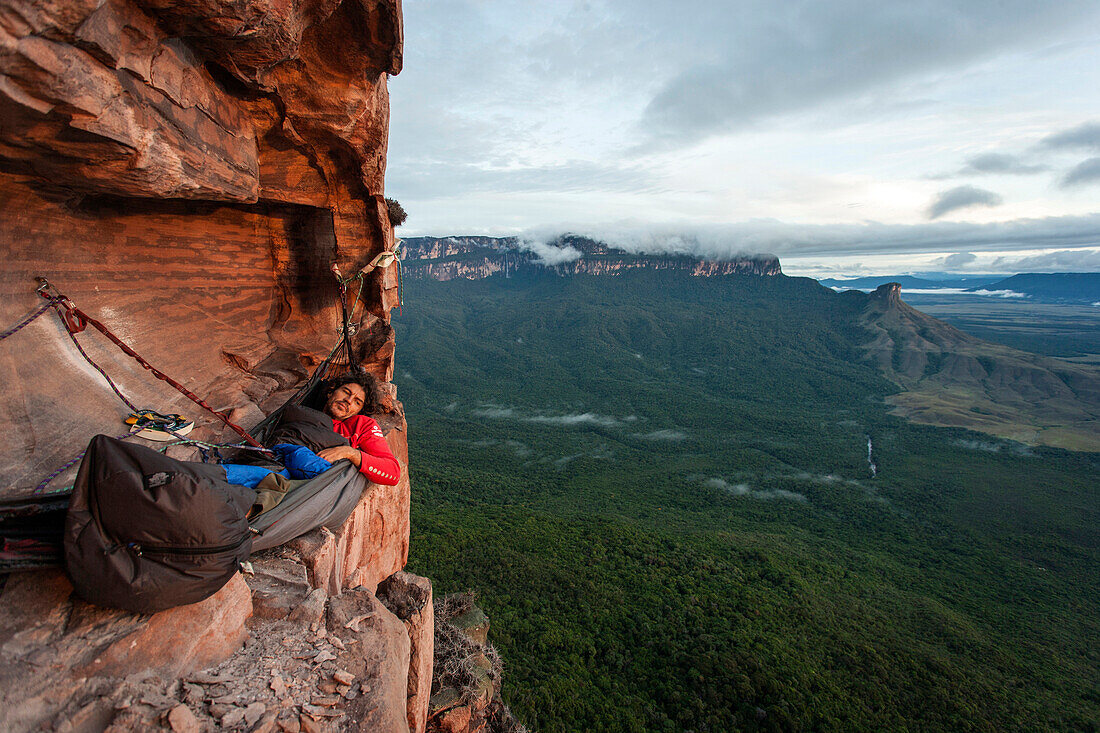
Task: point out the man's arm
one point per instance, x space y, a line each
370 453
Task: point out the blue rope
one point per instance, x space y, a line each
26 321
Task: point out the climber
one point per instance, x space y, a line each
344 400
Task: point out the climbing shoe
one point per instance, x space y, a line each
152 425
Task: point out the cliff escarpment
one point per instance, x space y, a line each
448 258
192 174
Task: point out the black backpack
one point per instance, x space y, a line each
145 532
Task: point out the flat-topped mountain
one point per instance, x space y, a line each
953 378
476 257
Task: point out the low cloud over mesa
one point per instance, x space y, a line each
758 237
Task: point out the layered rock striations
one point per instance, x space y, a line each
189 173
448 258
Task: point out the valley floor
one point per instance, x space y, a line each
663 493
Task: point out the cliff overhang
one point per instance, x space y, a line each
188 173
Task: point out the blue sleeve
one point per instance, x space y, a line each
300 461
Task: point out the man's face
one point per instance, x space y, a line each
345 401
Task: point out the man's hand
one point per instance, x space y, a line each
341 451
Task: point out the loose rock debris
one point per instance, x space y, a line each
289 675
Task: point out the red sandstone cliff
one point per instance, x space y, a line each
187 172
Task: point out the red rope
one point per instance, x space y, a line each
76 320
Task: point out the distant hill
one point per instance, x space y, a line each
475 257
953 378
1059 287
908 282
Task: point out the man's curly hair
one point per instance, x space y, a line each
371 401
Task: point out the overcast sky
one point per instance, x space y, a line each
843 135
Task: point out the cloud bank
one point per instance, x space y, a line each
496 412
1087 171
770 63
958 260
1002 163
670 435
962 197
587 418
757 237
550 255
747 490
724 118
1056 261
1082 137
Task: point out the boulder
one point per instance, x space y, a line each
380 659
179 640
312 609
409 597
278 585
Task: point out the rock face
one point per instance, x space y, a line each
56 651
409 597
308 661
448 258
190 173
187 172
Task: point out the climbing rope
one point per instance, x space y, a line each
76 321
342 283
27 321
383 259
397 258
97 367
386 258
203 446
41 487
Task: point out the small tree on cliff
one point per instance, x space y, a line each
396 211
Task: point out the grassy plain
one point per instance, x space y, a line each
660 487
1066 331
955 380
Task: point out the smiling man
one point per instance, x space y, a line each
346 398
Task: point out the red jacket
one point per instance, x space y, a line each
378 463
